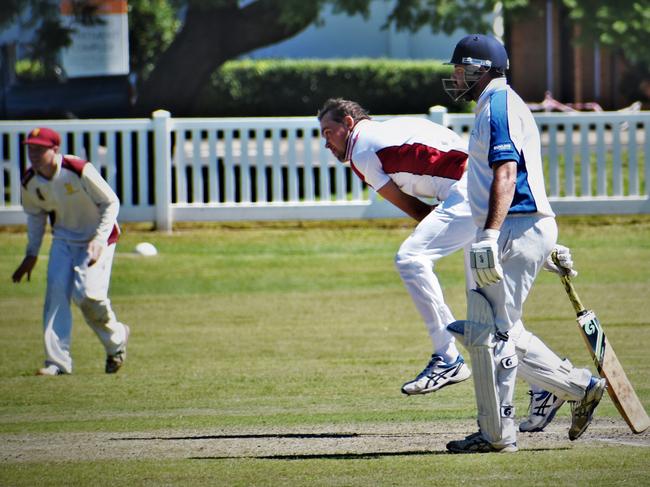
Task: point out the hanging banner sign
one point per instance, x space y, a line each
99 49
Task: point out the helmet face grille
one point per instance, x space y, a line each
453 90
459 88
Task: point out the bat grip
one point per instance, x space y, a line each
570 290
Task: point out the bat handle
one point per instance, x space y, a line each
570 290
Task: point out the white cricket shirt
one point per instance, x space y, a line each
505 130
80 203
423 158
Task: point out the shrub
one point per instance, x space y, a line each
299 87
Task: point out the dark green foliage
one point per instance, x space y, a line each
299 87
153 24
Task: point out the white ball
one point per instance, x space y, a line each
146 249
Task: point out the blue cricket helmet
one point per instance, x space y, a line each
481 50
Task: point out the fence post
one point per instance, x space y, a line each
438 114
162 169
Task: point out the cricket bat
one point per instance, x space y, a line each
618 385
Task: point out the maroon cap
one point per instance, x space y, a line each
43 136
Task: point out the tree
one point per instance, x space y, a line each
618 24
50 35
622 25
153 24
214 31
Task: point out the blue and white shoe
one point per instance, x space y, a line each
582 411
542 409
436 375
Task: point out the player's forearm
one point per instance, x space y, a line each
412 206
421 211
502 192
36 223
498 209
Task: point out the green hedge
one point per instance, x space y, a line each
299 87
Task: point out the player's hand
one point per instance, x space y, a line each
95 249
25 267
484 259
564 266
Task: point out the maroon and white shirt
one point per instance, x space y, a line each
423 158
79 202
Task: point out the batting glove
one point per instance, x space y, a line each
484 259
565 267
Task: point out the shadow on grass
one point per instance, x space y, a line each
349 456
327 456
304 436
245 437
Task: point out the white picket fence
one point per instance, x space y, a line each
168 169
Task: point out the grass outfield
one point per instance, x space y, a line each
273 354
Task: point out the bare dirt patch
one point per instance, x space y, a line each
336 441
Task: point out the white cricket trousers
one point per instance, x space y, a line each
445 230
70 278
524 244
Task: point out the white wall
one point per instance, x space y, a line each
343 36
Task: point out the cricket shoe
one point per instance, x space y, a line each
475 443
114 362
436 375
582 411
50 370
542 409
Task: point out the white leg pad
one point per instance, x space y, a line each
494 365
487 397
507 366
479 309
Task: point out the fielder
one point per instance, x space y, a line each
516 233
82 209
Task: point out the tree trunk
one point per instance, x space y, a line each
209 37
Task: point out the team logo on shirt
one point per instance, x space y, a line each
70 189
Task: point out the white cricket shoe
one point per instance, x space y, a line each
582 412
50 370
436 375
542 409
475 443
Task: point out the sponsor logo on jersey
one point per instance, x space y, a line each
500 147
